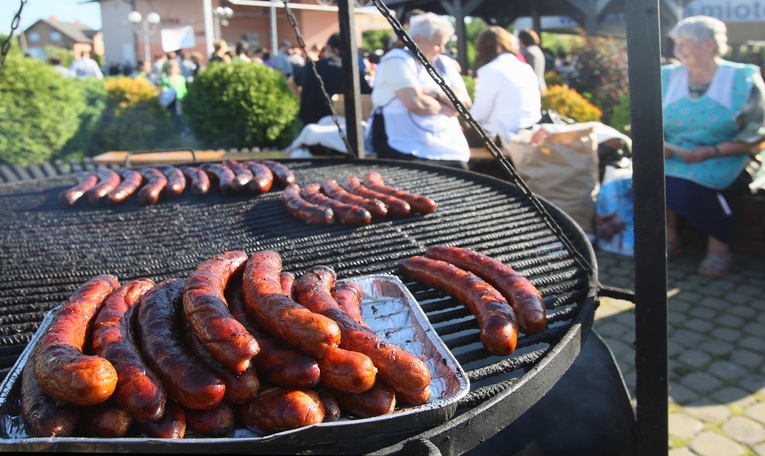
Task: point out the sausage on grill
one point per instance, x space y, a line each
522 295
172 425
108 180
200 181
242 175
262 177
378 400
348 296
281 173
376 208
222 174
418 203
216 422
176 181
209 317
396 206
280 409
106 420
301 209
155 182
346 370
85 181
344 213
62 370
131 181
496 319
42 415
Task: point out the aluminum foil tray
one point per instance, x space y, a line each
388 308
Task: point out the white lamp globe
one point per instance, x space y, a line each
153 18
135 17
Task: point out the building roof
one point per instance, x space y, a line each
77 32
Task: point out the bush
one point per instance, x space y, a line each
241 105
568 102
39 110
621 119
82 144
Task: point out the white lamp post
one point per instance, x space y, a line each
223 14
147 27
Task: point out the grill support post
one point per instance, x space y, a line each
352 85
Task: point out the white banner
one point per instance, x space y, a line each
728 10
180 38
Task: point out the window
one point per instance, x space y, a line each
33 37
55 36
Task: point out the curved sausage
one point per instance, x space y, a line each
187 379
418 203
108 180
285 319
205 306
417 398
378 400
200 181
172 425
275 363
216 422
287 281
305 211
131 181
331 407
280 409
42 415
62 370
522 295
106 420
346 370
242 175
223 174
496 319
348 296
376 208
85 181
281 173
176 181
396 367
262 177
345 213
155 182
139 390
396 206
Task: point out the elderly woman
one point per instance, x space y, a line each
507 97
413 119
713 122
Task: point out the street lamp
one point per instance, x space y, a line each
223 14
148 24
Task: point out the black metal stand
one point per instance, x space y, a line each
352 84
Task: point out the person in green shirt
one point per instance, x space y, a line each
173 80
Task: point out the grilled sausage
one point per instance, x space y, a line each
200 181
281 173
62 370
397 367
331 407
396 206
280 409
187 379
131 181
348 296
275 362
172 425
285 319
216 422
344 213
522 295
376 208
242 175
106 420
287 281
417 398
496 319
378 400
139 390
108 180
222 174
176 181
85 181
346 370
205 306
418 203
155 182
42 415
305 211
262 177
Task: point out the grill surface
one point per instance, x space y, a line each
47 250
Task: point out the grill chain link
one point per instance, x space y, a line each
6 47
507 167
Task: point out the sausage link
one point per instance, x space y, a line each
262 177
396 206
348 296
378 400
172 425
131 181
496 319
281 173
139 390
176 181
418 203
417 398
42 415
280 409
106 420
345 213
187 379
85 181
222 174
242 175
108 180
205 306
284 318
397 367
216 422
200 181
301 209
522 295
346 370
376 208
155 182
61 368
287 281
331 407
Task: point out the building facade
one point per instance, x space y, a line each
51 32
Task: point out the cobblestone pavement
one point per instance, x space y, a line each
716 351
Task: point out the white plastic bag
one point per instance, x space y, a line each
615 212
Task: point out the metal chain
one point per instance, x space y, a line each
6 47
312 64
504 163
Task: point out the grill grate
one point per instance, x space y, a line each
47 250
